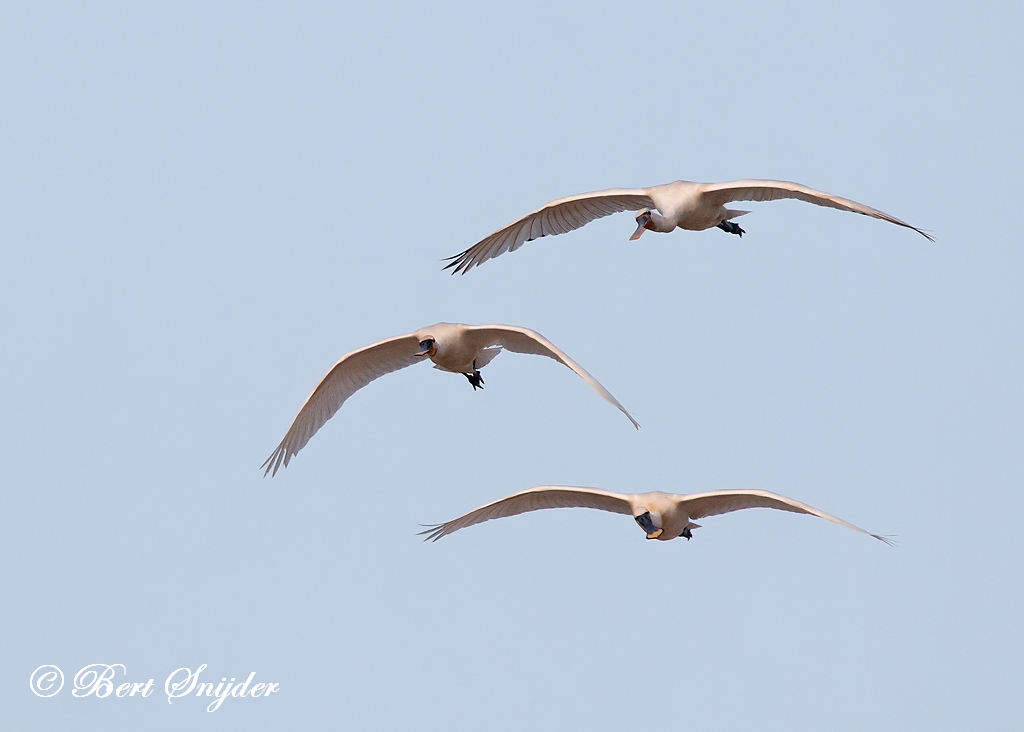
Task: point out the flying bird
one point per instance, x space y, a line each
683 204
460 349
662 516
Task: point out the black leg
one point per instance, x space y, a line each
686 533
731 228
475 379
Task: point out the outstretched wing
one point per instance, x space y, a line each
557 217
351 373
523 340
536 499
700 505
773 190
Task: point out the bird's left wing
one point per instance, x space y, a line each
536 499
700 505
351 373
557 217
524 340
773 190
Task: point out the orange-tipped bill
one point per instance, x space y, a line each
642 220
426 347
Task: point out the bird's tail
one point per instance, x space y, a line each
733 213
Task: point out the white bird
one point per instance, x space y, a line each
662 516
461 349
683 204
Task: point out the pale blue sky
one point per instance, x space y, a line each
202 208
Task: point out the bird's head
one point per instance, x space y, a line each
644 220
428 347
650 523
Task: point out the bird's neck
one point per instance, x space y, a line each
660 223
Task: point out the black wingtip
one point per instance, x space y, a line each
267 466
456 263
926 234
432 532
275 462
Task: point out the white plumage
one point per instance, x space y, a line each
663 516
682 204
452 347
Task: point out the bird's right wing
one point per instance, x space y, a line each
351 373
700 505
773 190
523 340
557 217
536 499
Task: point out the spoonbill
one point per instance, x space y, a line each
454 347
682 204
662 516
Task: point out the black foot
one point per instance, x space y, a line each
686 532
476 380
732 229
